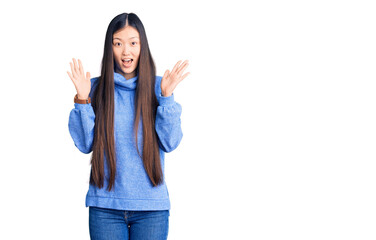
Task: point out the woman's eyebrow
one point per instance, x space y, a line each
122 39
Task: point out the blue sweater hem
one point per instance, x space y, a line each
128 204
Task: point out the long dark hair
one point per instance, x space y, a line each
145 108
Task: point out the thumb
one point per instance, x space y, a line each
166 74
88 75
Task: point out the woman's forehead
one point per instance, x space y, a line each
126 33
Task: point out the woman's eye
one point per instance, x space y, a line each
134 43
117 44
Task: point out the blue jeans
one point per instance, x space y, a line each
112 224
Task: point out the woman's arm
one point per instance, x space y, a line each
168 123
81 124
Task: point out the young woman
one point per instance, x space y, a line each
128 119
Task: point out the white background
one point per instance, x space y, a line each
278 116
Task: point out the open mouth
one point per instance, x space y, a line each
127 60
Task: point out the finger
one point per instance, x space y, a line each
72 68
88 76
75 66
81 67
165 75
70 75
184 76
182 68
175 67
183 64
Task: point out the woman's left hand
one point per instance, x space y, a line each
171 80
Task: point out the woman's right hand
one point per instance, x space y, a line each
81 83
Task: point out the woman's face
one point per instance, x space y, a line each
126 46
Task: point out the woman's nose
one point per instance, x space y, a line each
125 50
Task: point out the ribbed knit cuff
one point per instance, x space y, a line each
164 101
80 106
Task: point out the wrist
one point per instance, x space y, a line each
82 97
165 94
80 100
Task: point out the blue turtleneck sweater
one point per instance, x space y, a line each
133 189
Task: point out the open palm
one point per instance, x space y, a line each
81 83
171 80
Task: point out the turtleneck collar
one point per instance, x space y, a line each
126 84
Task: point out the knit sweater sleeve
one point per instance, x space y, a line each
81 124
167 121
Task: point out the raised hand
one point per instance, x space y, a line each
81 83
171 80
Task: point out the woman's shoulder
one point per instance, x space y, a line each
94 82
158 79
